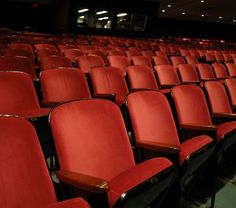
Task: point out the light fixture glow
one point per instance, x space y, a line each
183 13
202 1
169 5
103 18
81 17
234 20
101 12
202 15
82 10
122 14
220 17
163 10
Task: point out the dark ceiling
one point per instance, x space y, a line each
200 10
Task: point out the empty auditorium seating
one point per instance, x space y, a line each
18 52
205 72
191 60
141 77
54 62
95 155
187 73
231 67
167 76
220 71
24 173
18 63
176 60
109 82
19 96
160 60
193 114
141 60
63 85
72 54
148 53
121 62
154 129
86 63
230 85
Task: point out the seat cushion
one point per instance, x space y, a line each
34 113
225 128
72 203
193 145
135 176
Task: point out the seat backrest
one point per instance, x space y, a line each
191 105
86 63
108 80
47 52
151 118
141 77
227 57
205 72
167 76
18 93
184 52
188 73
230 85
64 85
24 176
92 138
54 62
219 102
210 57
191 60
141 61
231 69
72 54
121 62
18 52
220 70
176 60
148 53
160 60
18 63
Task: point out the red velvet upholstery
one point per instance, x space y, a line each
18 52
205 72
187 73
184 52
227 57
220 70
23 64
47 52
53 62
64 85
121 62
218 98
210 57
86 63
40 46
24 179
176 60
231 69
219 56
148 53
192 60
152 121
97 52
92 140
193 52
109 80
141 77
167 75
114 52
160 60
19 96
72 54
141 60
231 86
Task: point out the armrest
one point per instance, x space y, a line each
140 89
202 127
49 103
225 115
160 147
85 182
106 95
169 85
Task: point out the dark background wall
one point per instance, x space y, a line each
60 16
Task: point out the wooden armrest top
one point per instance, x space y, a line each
85 182
194 126
226 115
161 147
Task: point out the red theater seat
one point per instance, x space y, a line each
54 62
187 73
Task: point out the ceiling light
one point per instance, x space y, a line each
234 20
163 10
103 18
183 13
202 15
169 5
202 1
82 10
122 14
81 17
101 12
220 17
